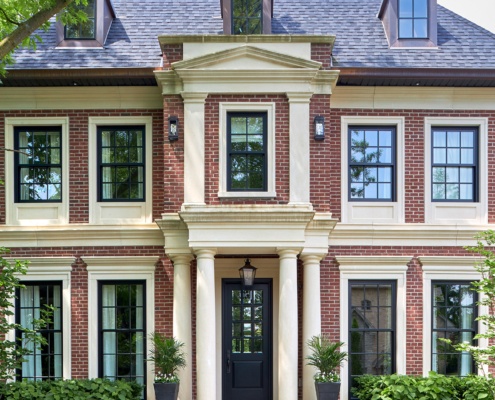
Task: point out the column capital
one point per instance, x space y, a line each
181 258
205 253
299 97
311 258
194 97
287 252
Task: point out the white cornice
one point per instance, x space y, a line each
376 264
121 264
177 39
47 264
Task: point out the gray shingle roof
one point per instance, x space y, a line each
361 41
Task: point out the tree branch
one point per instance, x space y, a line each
7 18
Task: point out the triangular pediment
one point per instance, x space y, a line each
246 58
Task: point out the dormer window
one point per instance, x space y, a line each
86 29
247 17
413 19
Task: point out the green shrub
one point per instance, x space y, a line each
74 389
433 387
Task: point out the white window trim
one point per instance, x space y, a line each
441 269
269 108
373 268
373 211
129 212
53 269
119 268
28 214
452 210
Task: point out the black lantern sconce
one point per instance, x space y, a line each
319 123
247 273
173 128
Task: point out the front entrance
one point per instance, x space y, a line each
247 340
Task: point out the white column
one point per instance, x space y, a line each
299 147
194 147
311 317
287 326
205 325
182 318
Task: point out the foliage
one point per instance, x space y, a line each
168 356
11 353
326 358
72 389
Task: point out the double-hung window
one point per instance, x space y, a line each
44 362
247 17
38 164
83 29
453 317
372 328
121 163
372 163
413 19
247 151
454 164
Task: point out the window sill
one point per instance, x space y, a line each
248 195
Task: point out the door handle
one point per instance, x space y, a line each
228 361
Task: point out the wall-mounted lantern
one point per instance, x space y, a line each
247 273
319 123
173 128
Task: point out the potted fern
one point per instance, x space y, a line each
326 358
168 356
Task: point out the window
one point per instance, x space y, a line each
372 163
454 164
413 19
84 29
247 16
453 317
247 148
121 155
38 164
372 329
45 362
122 332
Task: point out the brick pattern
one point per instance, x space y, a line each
322 52
414 320
171 54
164 296
80 323
212 147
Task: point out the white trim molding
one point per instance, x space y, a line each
373 268
451 269
269 108
119 268
129 212
39 213
368 212
467 213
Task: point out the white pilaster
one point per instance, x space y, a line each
311 317
287 326
194 147
205 325
182 318
299 147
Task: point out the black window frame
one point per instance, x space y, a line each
393 330
473 329
18 166
392 164
79 26
246 18
50 329
101 330
101 165
474 165
263 153
413 19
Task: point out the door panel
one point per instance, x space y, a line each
247 340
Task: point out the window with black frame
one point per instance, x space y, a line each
372 163
453 317
83 29
122 330
45 362
372 328
38 164
247 150
454 164
121 157
413 19
247 17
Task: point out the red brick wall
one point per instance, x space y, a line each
79 313
322 52
171 54
164 296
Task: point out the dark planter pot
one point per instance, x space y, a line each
327 390
166 391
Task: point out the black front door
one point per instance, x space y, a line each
247 340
